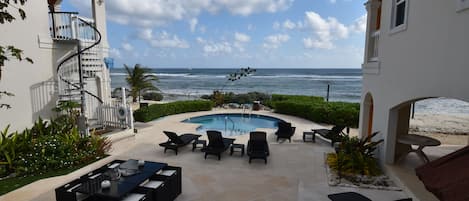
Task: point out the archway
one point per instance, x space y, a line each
433 119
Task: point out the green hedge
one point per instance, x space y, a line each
317 110
156 111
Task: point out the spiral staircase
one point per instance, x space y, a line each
82 74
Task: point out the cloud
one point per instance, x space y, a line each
289 25
333 1
274 41
243 38
115 53
193 24
162 39
276 25
127 47
147 13
327 30
359 26
217 48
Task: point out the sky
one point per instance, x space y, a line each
233 33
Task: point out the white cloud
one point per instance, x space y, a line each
241 37
289 25
359 26
115 53
274 41
127 46
276 25
159 12
325 31
217 48
162 39
193 24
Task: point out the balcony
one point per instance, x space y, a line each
70 26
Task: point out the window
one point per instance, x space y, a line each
399 14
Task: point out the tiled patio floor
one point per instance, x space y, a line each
295 171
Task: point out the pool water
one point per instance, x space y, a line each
233 124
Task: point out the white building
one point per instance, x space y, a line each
60 44
414 50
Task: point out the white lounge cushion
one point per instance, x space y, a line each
167 172
134 197
153 184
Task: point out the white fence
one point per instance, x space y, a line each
116 115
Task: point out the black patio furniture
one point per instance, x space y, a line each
175 141
217 144
333 135
258 148
285 131
128 186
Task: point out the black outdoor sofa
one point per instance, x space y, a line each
333 135
258 148
285 131
217 144
175 141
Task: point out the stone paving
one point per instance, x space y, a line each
295 171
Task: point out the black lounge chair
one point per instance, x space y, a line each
352 196
334 134
258 148
285 131
175 141
217 144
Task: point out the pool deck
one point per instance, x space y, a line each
295 171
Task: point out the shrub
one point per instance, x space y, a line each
355 156
317 110
156 111
229 97
153 96
48 146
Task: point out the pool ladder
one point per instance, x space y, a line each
233 128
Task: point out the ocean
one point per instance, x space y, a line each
345 85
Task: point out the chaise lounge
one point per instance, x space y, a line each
332 135
258 148
175 141
285 131
217 144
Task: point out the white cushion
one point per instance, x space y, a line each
153 184
134 197
167 172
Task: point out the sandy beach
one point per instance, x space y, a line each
451 129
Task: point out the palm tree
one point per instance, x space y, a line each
139 79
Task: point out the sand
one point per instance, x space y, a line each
450 129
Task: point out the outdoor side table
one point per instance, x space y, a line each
309 134
239 147
197 142
420 141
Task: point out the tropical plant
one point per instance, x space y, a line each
140 79
9 51
355 156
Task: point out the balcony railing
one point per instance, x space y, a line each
70 26
374 46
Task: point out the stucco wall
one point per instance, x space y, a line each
428 59
23 79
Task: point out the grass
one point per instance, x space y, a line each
12 184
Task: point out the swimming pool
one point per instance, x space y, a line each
233 124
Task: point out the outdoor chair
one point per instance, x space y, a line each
258 148
352 196
334 134
217 144
285 131
175 141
